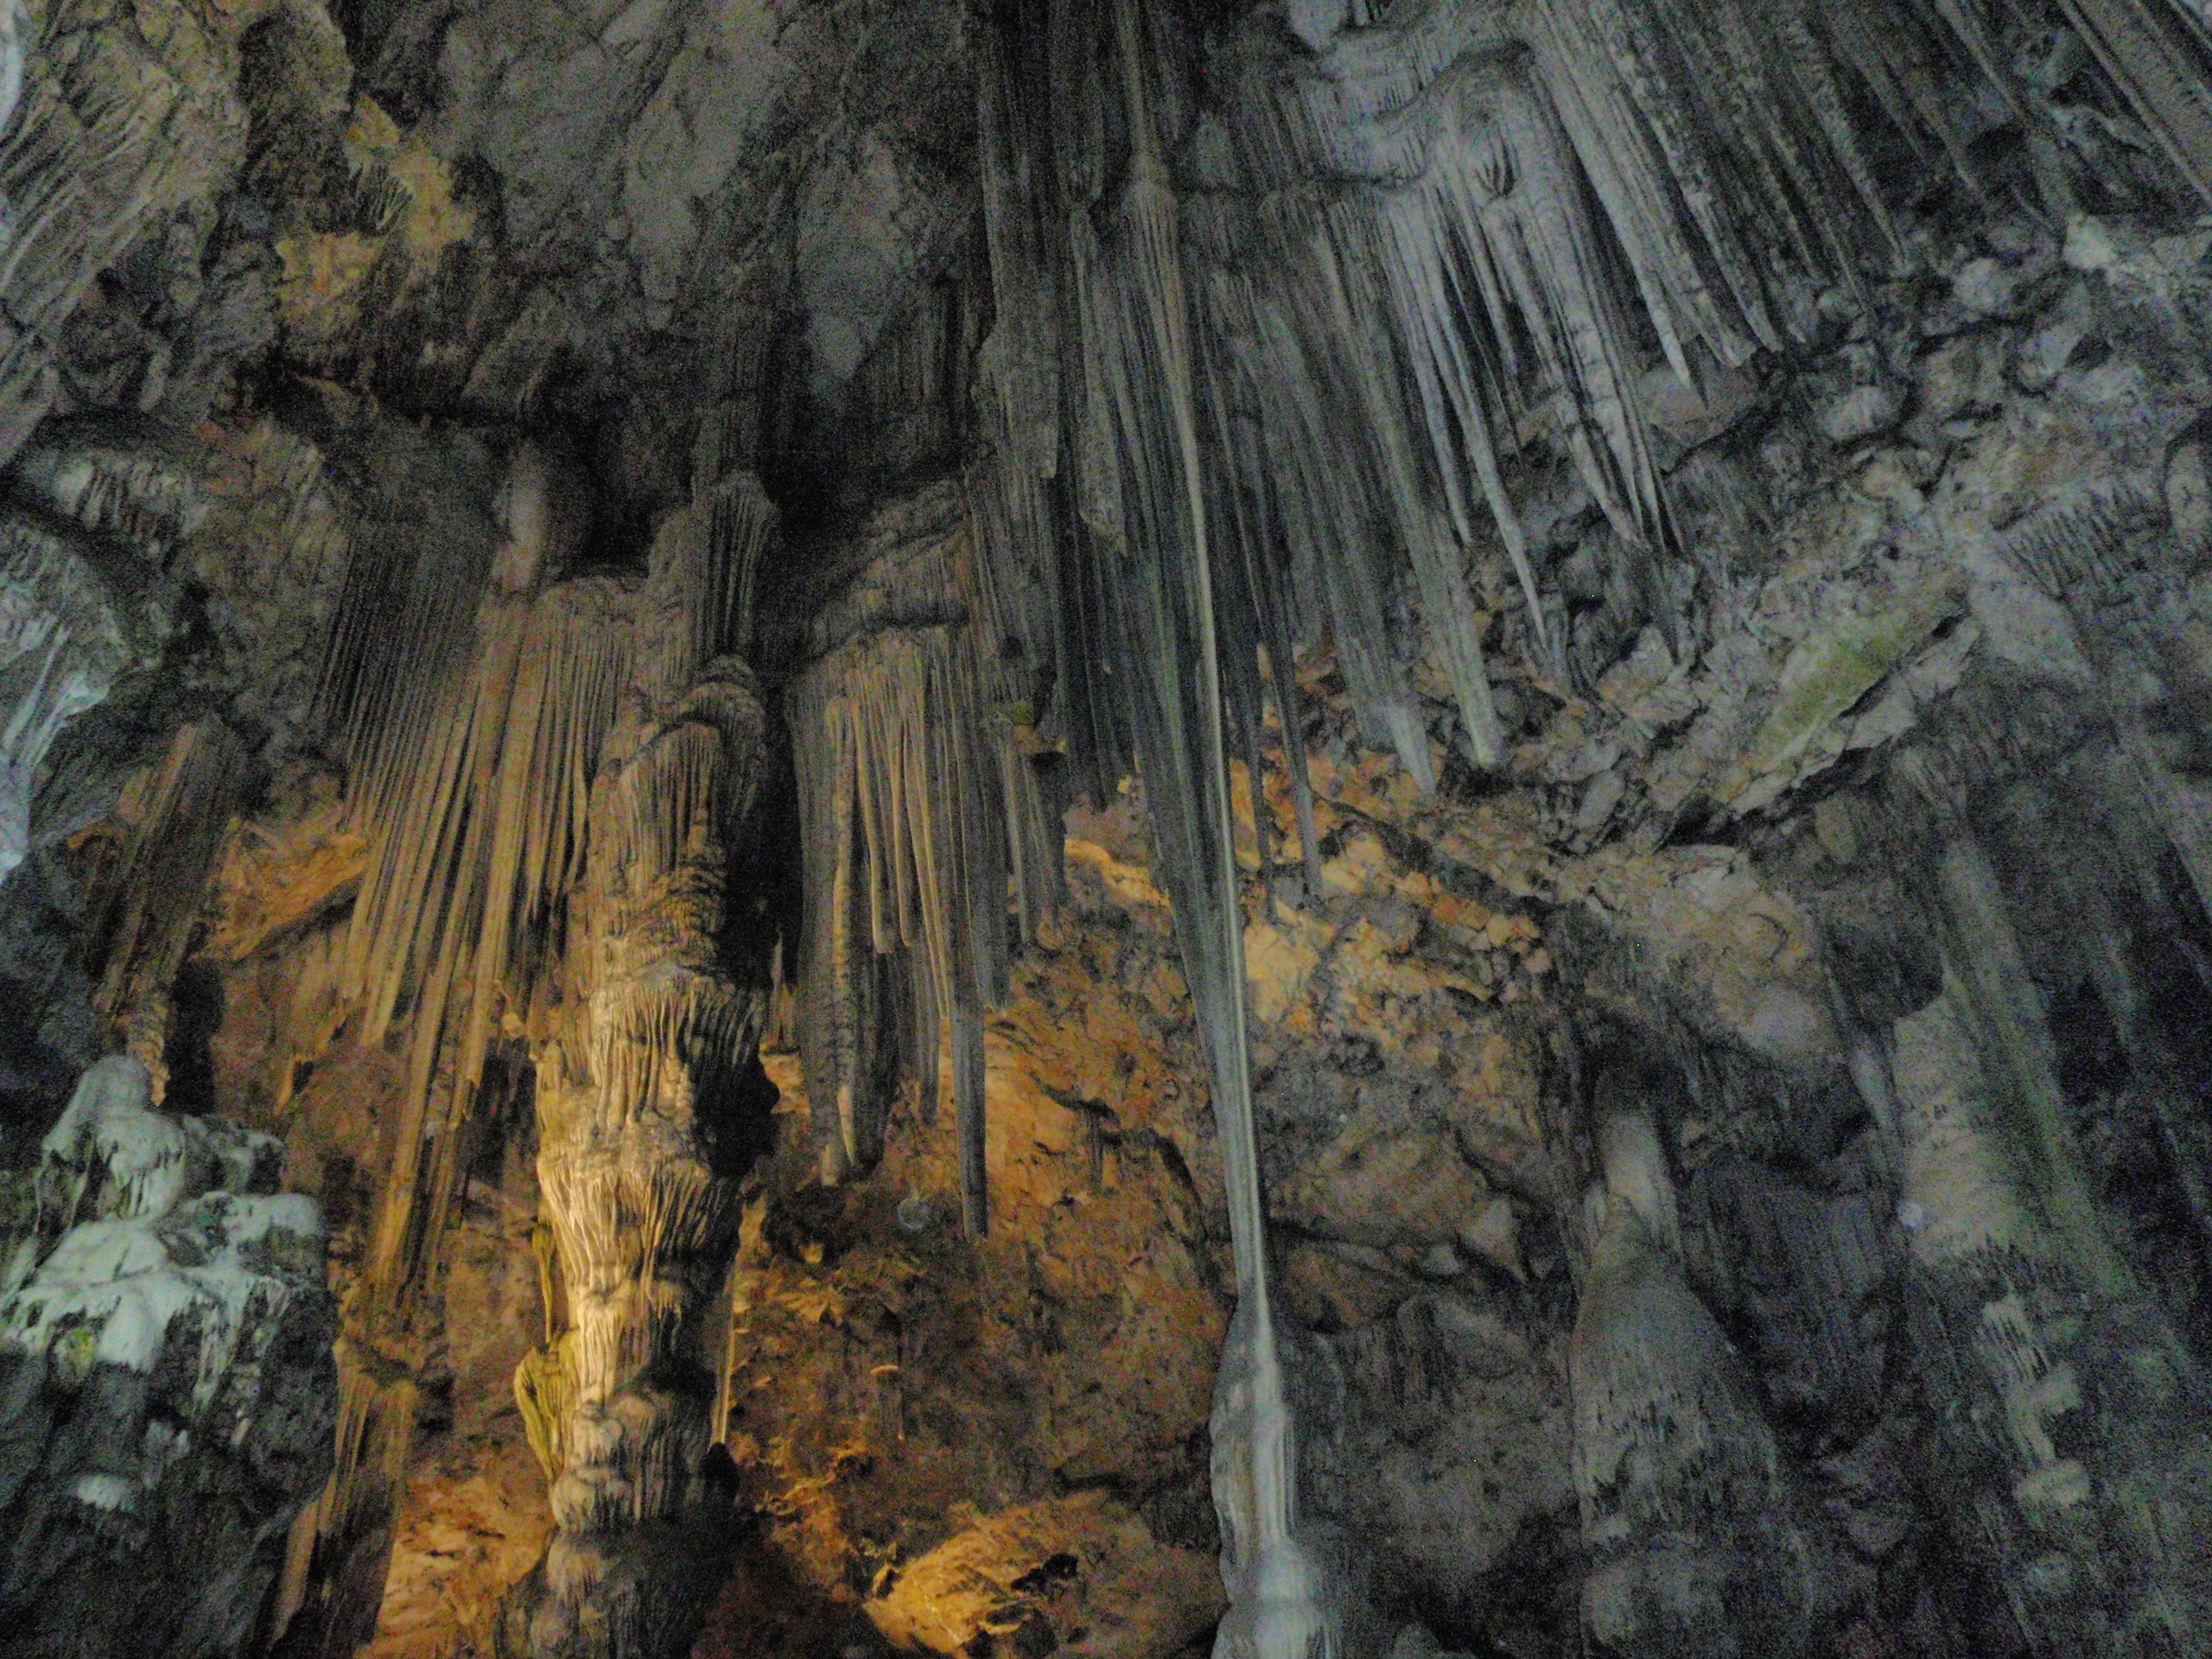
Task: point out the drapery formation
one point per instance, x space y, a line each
916 810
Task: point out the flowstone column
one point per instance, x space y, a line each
2072 1414
642 1142
1698 1534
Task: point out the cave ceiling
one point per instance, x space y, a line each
1318 829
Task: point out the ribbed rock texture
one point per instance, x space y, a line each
643 1112
1449 754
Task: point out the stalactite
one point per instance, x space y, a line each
2103 556
490 813
1436 552
2159 54
100 504
913 800
1026 343
1293 1587
471 735
115 478
1539 261
1254 616
1415 251
1010 515
1451 159
107 142
1331 534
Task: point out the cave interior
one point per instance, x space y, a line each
982 828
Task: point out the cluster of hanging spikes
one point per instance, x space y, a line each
1431 231
474 691
116 479
1462 223
904 819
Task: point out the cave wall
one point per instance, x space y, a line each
1677 658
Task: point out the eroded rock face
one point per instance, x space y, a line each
167 1391
1693 522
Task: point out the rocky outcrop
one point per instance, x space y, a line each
92 512
167 1392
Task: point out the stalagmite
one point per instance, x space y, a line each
640 1099
1701 1541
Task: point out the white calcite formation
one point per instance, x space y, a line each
167 1391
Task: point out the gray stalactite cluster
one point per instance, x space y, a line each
1394 259
1468 363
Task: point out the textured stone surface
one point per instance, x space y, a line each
167 1394
1736 522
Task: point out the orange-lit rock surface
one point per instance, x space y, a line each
907 1408
922 1425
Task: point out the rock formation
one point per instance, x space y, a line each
166 1392
641 1115
1008 800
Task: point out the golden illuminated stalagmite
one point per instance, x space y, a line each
640 1084
471 687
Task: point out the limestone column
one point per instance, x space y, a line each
641 1111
